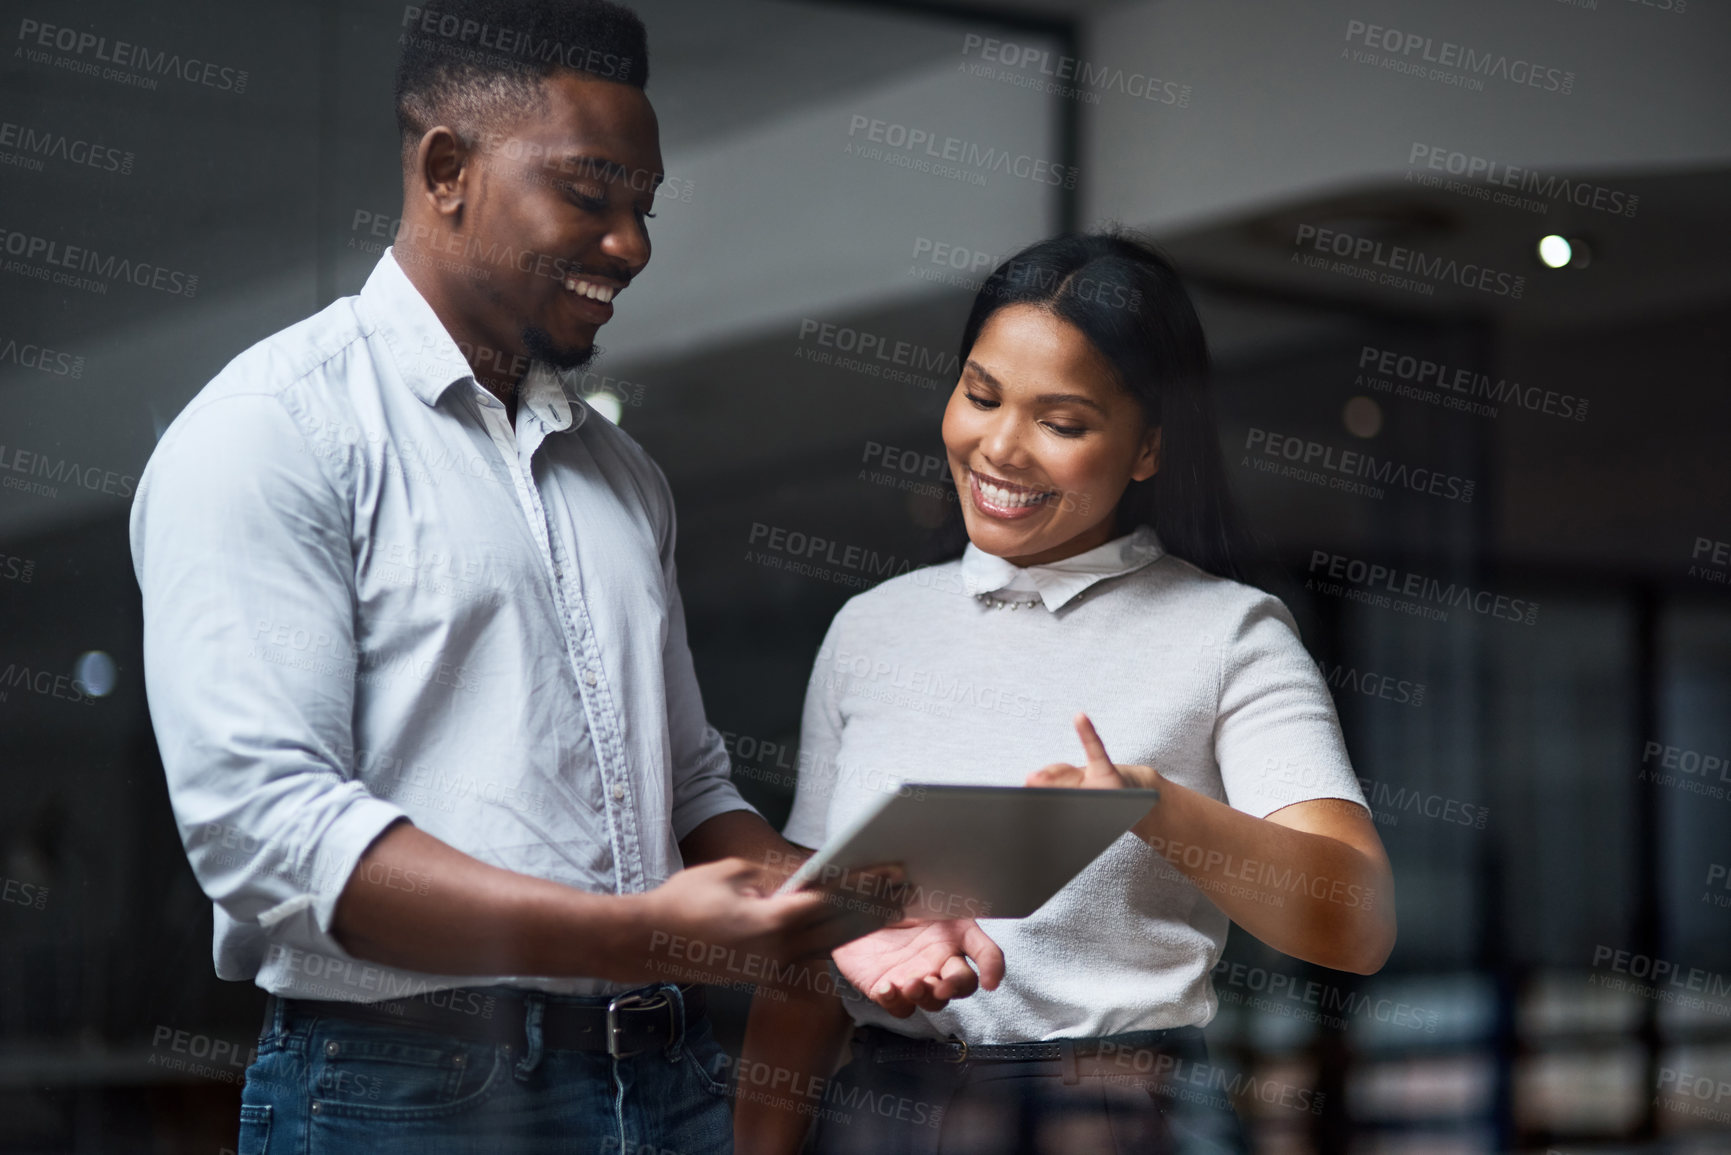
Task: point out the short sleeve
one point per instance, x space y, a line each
1277 737
819 746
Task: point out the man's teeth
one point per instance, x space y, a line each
602 293
1006 498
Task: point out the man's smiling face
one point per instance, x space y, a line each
553 219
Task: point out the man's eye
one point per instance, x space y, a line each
594 202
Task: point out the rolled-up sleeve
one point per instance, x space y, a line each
241 546
701 772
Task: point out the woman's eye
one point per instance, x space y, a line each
1067 430
982 402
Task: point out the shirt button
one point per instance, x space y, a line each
589 677
618 792
331 1047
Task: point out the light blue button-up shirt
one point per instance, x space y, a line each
367 597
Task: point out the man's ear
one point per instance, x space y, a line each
442 164
1148 459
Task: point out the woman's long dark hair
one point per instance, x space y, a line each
1128 301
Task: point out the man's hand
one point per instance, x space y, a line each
921 964
1100 773
722 922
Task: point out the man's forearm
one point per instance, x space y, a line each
793 1041
476 919
741 834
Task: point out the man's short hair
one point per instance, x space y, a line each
471 63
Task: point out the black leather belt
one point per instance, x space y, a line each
622 1026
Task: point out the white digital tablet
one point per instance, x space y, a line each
979 851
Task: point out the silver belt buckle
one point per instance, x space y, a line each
615 1030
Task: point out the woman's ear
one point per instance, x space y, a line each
1148 457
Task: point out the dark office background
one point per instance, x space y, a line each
1554 792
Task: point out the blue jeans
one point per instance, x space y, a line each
328 1086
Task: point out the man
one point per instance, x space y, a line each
417 664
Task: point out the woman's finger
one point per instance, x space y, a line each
1098 761
987 955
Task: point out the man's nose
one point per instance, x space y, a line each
627 242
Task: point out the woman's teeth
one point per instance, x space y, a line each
602 293
1008 498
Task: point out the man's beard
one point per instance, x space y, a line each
541 347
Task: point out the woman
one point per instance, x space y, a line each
1099 575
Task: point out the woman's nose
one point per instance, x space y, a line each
1002 442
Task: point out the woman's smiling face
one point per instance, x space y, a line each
1042 440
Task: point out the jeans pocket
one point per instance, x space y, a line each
254 1129
708 1061
360 1070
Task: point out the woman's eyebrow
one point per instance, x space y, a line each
1072 398
1043 398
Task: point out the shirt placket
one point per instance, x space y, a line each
581 646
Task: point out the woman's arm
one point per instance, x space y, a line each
1311 880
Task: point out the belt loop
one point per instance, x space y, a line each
534 1002
1067 1057
676 1035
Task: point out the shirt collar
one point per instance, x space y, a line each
1060 581
429 359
